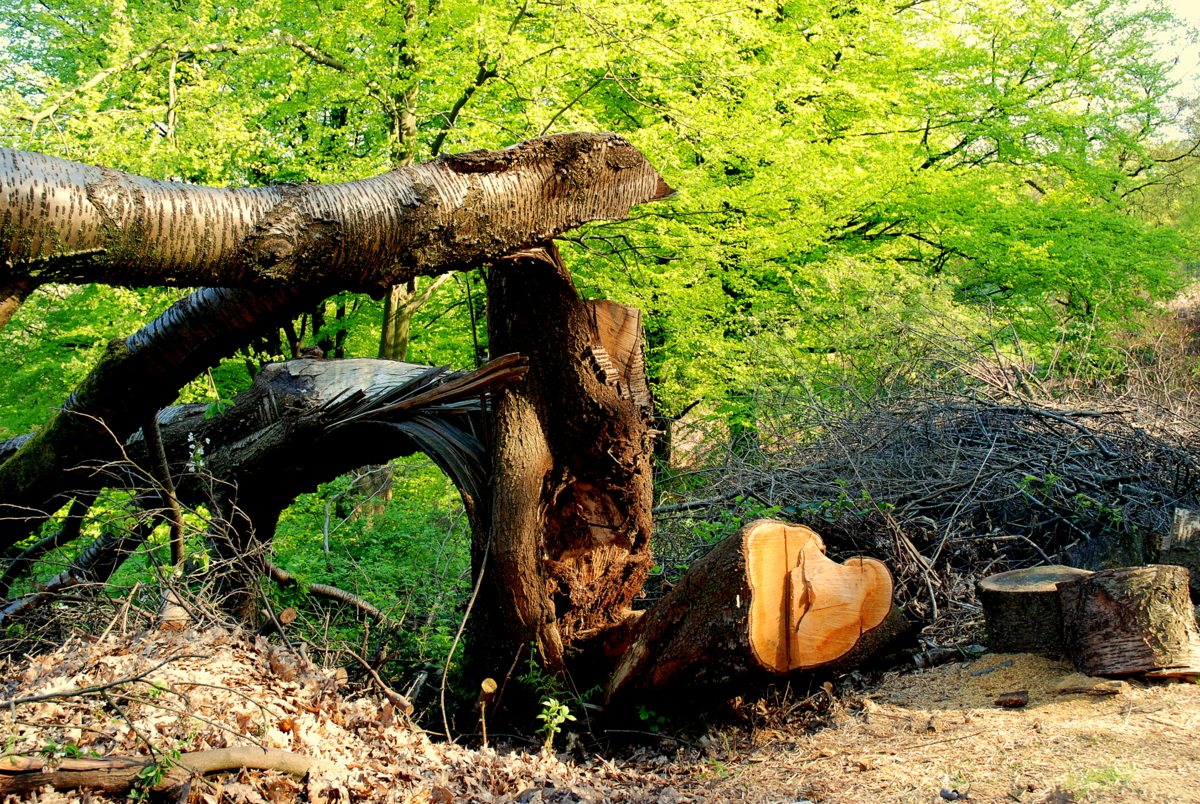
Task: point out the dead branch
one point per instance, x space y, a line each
285 578
20 774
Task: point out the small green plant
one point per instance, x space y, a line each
52 750
652 720
554 715
151 776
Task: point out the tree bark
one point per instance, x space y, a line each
1181 547
62 221
136 377
1131 620
1023 611
120 774
568 525
304 422
763 603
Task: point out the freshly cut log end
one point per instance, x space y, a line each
807 610
762 603
1131 620
1022 611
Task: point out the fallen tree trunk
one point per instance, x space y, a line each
68 222
763 603
20 774
303 422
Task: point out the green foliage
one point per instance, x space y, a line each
409 559
553 715
1018 170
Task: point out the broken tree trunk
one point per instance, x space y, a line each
1131 620
1023 611
763 603
566 534
303 422
67 222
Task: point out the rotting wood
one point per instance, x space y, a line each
1131 620
568 521
1022 609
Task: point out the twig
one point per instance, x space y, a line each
398 700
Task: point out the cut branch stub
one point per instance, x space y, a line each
807 610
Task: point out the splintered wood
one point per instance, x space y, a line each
807 610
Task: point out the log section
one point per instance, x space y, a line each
1131 620
762 603
1181 546
1022 609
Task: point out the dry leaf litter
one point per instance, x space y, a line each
928 736
224 690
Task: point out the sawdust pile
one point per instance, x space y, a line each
216 689
937 735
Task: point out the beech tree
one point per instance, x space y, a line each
559 498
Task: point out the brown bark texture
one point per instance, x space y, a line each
66 222
62 221
1022 609
761 604
568 523
1181 546
136 377
1131 620
303 422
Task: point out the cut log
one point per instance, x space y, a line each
763 603
1181 547
1131 620
1022 609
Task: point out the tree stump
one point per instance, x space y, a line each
1181 546
1022 609
764 602
1131 620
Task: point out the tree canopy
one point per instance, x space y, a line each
837 163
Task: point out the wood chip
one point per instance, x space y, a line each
1012 700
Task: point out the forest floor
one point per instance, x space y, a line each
932 735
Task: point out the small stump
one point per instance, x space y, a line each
1022 609
1131 620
